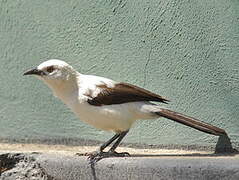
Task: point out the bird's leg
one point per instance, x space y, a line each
98 155
102 147
116 144
107 143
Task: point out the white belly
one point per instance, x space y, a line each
115 118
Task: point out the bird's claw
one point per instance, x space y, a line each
116 154
81 154
98 155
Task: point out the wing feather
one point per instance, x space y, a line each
123 93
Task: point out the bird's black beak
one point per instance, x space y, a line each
34 71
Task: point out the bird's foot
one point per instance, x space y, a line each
86 154
98 155
121 154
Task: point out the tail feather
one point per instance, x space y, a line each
192 122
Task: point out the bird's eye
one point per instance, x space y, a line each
50 69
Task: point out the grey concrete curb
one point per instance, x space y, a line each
62 167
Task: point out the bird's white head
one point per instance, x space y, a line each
57 74
53 69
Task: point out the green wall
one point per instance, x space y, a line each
187 51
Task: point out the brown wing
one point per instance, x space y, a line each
124 93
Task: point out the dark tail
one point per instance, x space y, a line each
192 122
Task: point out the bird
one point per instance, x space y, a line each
109 105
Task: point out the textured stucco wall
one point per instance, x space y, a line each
185 50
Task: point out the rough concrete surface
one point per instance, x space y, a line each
58 166
20 167
59 162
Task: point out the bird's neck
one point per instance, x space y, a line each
66 90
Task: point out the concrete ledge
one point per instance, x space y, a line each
141 168
70 167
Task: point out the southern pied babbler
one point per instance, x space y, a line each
109 105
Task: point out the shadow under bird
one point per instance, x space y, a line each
109 105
